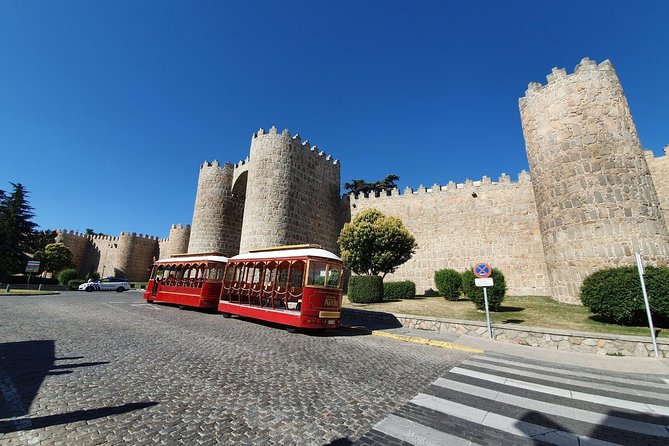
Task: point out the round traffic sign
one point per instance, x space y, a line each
482 270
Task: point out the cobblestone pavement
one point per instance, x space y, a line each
106 368
496 399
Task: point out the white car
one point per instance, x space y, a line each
106 284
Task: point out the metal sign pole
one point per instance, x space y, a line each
487 311
639 265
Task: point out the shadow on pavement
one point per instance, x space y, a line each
23 367
340 442
24 424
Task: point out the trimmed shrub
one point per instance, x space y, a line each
404 289
615 294
365 289
74 284
66 275
449 283
496 293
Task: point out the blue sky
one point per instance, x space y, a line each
107 109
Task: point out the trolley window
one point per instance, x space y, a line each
324 274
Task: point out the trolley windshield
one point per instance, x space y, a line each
324 274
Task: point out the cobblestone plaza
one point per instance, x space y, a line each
106 368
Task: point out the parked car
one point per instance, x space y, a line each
106 284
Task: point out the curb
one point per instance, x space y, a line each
417 340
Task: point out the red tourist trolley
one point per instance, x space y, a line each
192 280
299 286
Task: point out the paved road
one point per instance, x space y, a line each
495 399
105 368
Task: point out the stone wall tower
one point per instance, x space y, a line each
292 193
595 197
178 240
214 216
134 256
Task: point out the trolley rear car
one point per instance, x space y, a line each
299 286
188 280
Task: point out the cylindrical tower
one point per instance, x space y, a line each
211 230
134 256
178 240
292 193
595 198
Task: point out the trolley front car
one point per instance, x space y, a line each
188 280
299 286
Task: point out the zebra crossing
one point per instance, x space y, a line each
494 399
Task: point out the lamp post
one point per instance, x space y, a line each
103 270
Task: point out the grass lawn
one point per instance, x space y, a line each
529 311
3 292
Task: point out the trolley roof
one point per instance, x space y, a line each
283 253
192 258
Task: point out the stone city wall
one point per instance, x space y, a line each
129 255
596 201
292 193
659 170
215 213
459 225
176 243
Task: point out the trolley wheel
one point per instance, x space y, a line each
291 329
89 289
120 289
149 301
182 307
226 315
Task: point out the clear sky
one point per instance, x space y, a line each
108 108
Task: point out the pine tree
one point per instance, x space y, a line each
16 229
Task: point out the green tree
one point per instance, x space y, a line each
42 238
55 258
16 230
361 186
375 244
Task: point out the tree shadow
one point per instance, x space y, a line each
23 367
613 428
24 424
513 321
345 441
505 309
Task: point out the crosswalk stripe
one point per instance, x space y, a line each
608 401
557 379
506 424
418 434
610 379
555 409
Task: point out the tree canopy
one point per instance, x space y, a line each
361 186
16 229
375 244
55 258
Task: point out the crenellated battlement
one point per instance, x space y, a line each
136 236
295 141
72 233
559 75
650 155
452 186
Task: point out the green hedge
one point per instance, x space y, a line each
74 283
449 283
66 275
365 289
404 289
496 293
615 294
